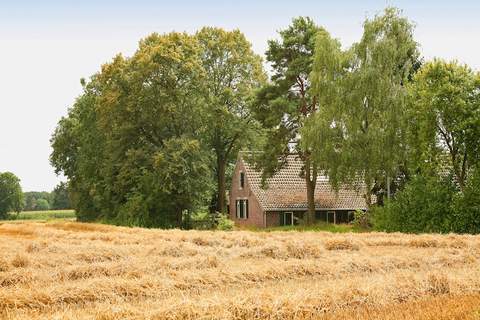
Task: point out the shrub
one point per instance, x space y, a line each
361 219
224 223
424 205
200 220
466 217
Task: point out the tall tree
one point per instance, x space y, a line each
444 119
232 72
130 145
60 197
11 195
283 105
368 121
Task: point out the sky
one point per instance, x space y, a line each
47 46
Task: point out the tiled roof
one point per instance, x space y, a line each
287 190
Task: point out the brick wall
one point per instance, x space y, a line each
273 219
255 212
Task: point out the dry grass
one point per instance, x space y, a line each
87 271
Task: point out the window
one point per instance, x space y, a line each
290 218
242 209
242 180
286 218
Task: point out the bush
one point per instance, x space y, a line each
200 220
361 219
466 217
224 223
424 205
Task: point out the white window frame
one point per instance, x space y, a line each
237 211
242 215
284 217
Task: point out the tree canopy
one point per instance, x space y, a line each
153 137
136 146
364 123
232 73
11 195
283 105
444 119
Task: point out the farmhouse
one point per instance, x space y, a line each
283 201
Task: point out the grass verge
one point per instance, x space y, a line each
43 215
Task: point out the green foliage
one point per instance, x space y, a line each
43 215
358 131
136 146
42 204
283 105
424 205
232 72
466 217
444 119
60 197
224 223
11 195
31 199
129 145
362 219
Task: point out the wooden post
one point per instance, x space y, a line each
334 217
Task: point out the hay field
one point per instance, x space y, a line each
67 270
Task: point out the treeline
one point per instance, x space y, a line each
58 199
154 136
13 199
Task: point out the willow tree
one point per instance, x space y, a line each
232 72
367 121
283 105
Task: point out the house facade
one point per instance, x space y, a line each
283 200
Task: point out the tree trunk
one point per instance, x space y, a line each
221 184
310 218
178 218
311 181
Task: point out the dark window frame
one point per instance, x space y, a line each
242 179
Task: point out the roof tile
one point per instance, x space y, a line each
287 190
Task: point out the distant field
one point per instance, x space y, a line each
44 215
69 270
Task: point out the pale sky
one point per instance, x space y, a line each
47 46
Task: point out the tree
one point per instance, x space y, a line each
466 216
283 105
60 198
367 120
11 195
232 72
42 205
117 144
444 119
